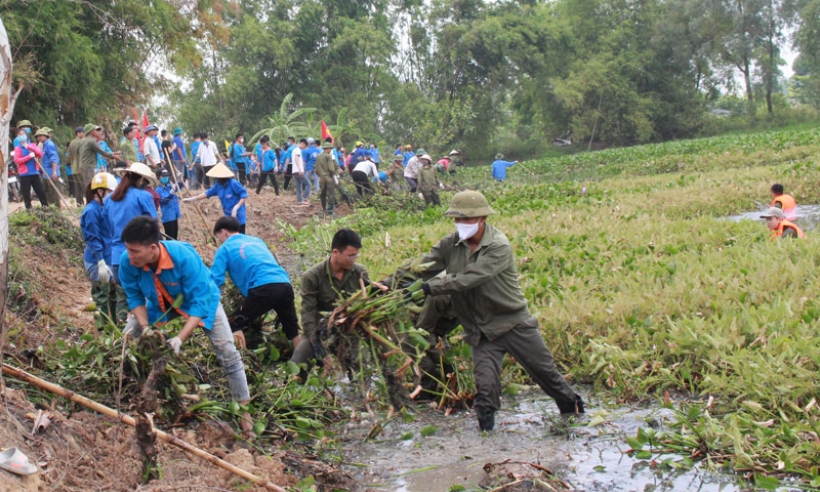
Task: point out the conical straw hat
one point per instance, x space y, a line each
220 171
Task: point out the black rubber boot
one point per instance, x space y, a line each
486 419
575 407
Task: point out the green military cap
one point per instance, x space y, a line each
89 127
41 131
468 204
420 152
327 145
22 123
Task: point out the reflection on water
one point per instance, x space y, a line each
808 217
585 457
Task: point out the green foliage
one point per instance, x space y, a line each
640 286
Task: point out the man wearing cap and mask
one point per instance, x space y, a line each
89 147
51 165
781 227
482 282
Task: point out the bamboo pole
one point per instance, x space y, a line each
188 192
110 412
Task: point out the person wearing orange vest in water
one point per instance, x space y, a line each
785 202
780 227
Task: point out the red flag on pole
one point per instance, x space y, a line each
325 131
145 123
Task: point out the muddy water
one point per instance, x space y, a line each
808 217
587 456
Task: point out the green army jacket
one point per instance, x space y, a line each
326 167
88 150
483 284
428 179
129 152
321 291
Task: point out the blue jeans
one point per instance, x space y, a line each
302 188
313 178
222 342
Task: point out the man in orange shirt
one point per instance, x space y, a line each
784 202
780 227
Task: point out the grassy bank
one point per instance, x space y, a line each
640 287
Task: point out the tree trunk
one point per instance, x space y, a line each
747 78
770 75
6 110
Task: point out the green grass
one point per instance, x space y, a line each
641 288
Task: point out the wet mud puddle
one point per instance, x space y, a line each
435 453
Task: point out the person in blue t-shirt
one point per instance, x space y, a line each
130 199
500 167
375 154
231 194
263 283
408 154
169 204
97 256
155 275
309 156
269 163
239 157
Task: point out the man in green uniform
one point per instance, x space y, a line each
428 182
127 147
482 282
75 180
328 172
324 284
89 147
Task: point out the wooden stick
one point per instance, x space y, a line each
188 192
110 412
62 199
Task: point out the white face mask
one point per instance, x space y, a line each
466 231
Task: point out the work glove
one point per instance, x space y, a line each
174 344
441 185
318 351
421 196
235 210
104 273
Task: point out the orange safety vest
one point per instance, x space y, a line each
788 204
783 224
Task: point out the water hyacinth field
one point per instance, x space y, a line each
644 291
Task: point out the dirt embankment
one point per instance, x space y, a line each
79 450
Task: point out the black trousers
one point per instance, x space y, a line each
361 182
288 176
241 167
29 182
205 179
277 297
171 228
263 177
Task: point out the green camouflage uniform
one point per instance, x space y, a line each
428 185
320 292
488 302
327 170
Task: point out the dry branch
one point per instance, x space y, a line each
110 412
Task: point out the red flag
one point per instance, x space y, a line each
145 124
325 132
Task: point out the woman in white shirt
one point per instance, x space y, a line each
362 174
